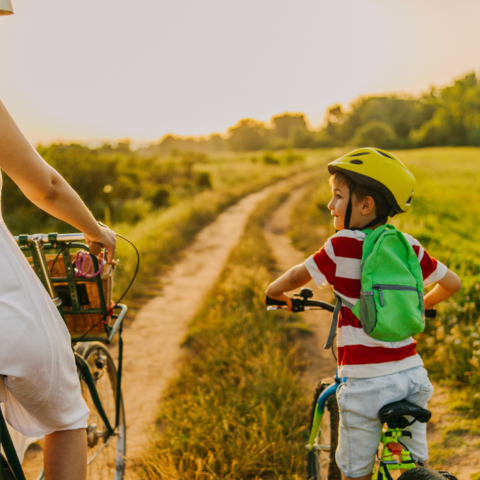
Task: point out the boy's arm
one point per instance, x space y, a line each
295 277
444 289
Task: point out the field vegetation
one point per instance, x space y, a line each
236 410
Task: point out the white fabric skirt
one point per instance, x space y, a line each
42 390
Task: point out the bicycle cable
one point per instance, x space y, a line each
136 268
333 348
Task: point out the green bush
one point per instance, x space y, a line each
374 134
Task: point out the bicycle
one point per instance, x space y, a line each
99 377
324 421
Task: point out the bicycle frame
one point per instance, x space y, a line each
391 445
9 449
320 410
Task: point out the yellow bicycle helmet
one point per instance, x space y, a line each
381 171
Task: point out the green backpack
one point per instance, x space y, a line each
391 304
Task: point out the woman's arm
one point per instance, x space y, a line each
44 186
444 289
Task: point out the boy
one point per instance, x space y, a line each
368 186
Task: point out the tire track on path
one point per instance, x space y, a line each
321 363
152 343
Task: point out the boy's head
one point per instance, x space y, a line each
368 186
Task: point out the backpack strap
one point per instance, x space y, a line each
333 327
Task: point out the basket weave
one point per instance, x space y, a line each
80 323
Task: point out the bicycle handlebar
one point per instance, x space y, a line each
95 248
299 304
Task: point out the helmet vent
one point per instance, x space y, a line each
359 154
356 162
409 201
385 155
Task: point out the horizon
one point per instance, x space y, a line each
197 70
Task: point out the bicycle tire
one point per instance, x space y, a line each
421 473
105 455
6 471
321 460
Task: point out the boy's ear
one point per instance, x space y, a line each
368 205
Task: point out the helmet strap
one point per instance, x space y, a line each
348 213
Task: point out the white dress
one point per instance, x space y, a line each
42 391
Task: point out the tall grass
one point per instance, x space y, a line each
235 410
444 218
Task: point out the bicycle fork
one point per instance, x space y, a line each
318 415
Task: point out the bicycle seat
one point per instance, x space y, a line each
394 413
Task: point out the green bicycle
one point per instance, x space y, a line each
323 431
94 321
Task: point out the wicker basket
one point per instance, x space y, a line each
81 323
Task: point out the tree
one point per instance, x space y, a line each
456 120
375 134
247 134
285 123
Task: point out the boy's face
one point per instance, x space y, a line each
338 207
338 204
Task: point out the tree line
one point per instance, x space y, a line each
117 183
443 116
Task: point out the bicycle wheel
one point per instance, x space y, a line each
321 459
422 473
106 454
6 472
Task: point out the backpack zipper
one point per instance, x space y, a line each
382 287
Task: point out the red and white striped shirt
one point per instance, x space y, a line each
337 264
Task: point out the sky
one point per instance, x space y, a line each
92 70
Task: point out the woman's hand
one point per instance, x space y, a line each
107 239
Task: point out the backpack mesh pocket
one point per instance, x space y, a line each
368 311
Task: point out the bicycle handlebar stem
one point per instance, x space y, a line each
38 246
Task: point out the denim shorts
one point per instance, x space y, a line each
359 401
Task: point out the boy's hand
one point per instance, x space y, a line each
444 289
281 298
287 300
296 277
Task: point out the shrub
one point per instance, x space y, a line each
375 134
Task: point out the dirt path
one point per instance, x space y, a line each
321 362
153 341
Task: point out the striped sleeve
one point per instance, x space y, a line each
432 269
321 265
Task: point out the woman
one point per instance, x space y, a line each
36 362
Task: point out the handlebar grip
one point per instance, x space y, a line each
271 301
95 248
431 313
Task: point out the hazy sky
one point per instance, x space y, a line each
97 69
